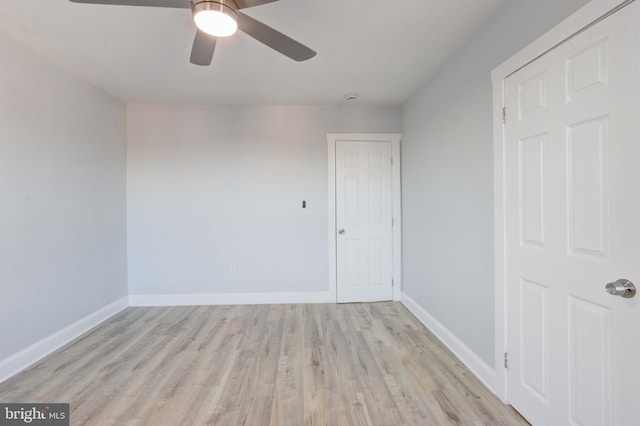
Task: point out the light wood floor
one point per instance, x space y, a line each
359 364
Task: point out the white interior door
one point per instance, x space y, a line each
363 221
572 225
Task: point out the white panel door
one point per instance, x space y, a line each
363 221
572 226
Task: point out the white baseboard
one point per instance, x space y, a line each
227 299
469 358
30 355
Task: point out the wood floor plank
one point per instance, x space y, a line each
288 400
370 364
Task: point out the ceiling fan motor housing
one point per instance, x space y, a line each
228 7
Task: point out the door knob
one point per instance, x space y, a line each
622 287
341 231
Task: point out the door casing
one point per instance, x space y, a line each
394 139
573 25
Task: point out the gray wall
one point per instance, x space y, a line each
447 160
62 198
212 187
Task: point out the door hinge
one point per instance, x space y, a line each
392 161
504 115
393 222
392 283
506 360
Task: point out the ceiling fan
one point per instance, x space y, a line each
221 18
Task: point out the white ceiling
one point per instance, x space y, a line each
381 49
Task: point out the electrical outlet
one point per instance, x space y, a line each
232 268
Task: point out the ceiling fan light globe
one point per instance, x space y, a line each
216 18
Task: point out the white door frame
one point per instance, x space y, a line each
583 18
394 139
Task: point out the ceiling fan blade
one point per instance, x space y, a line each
243 4
274 39
203 47
183 4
